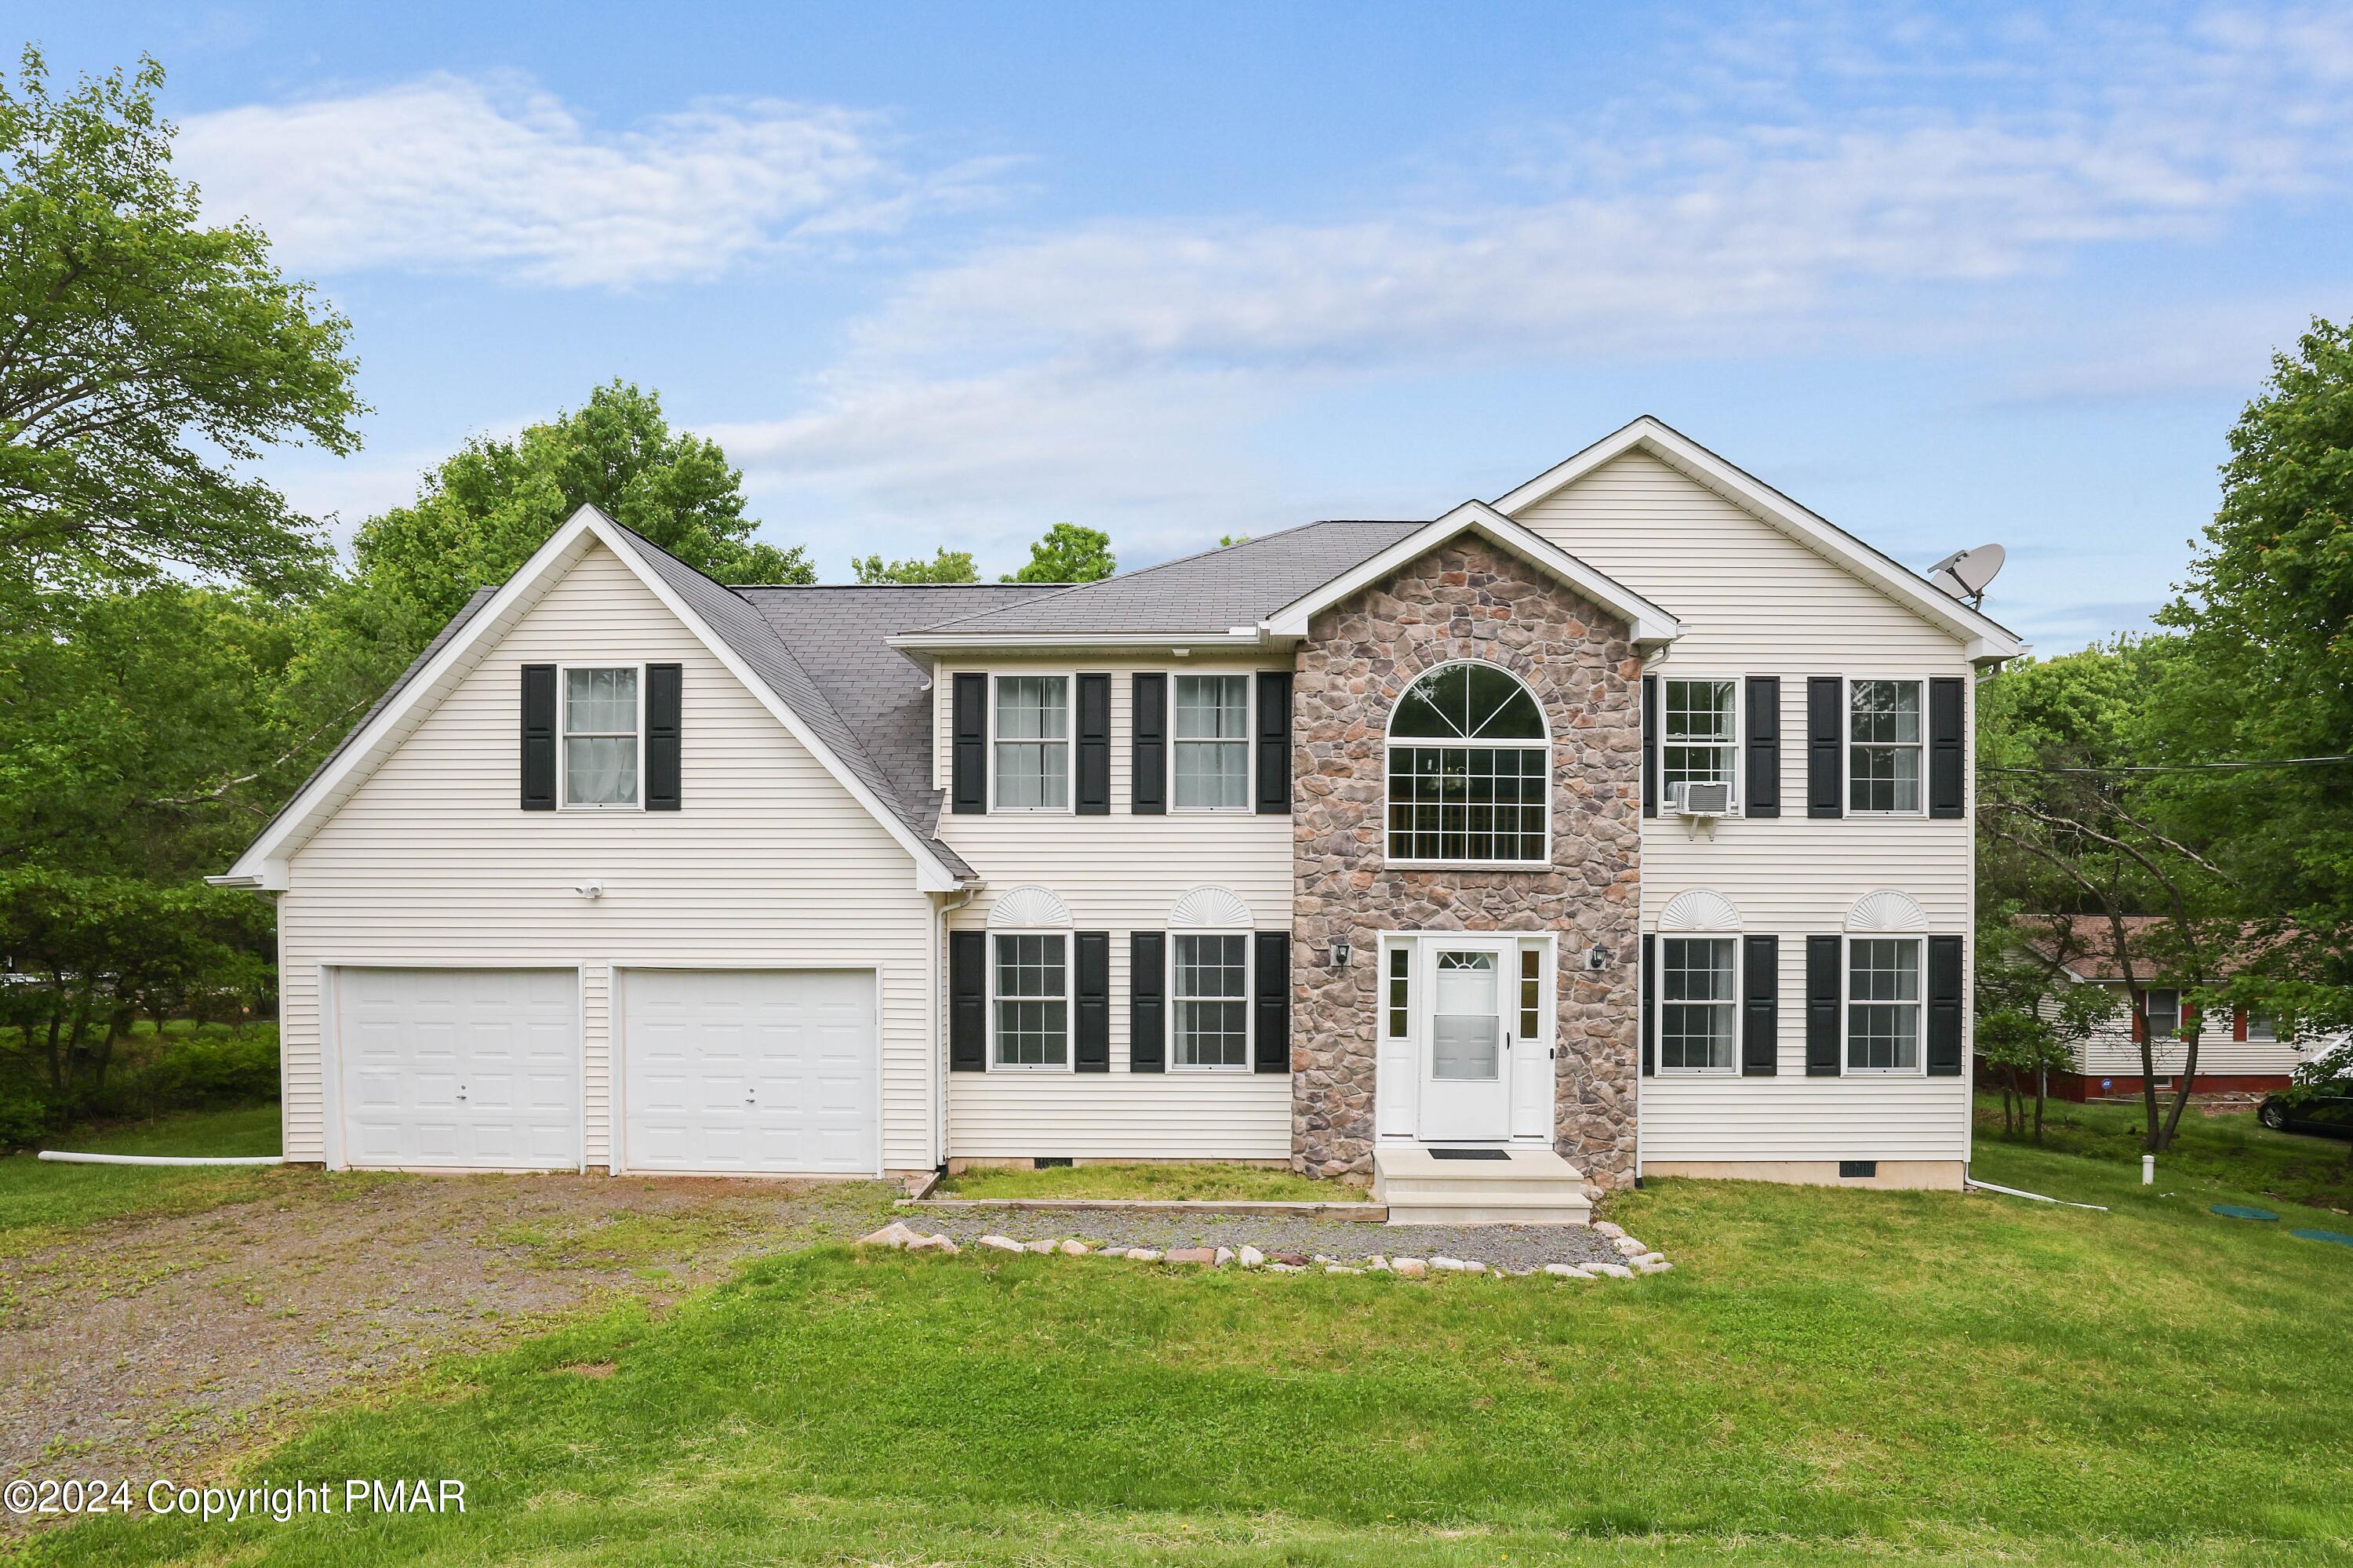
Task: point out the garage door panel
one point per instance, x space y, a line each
460 1068
763 1070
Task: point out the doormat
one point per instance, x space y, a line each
2339 1237
1468 1154
2241 1212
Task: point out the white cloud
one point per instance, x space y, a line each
448 172
1910 193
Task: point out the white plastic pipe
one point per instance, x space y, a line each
64 1156
2149 1170
2022 1192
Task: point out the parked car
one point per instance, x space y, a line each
2330 1116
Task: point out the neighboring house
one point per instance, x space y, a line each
2237 1052
1623 824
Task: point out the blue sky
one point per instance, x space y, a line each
948 274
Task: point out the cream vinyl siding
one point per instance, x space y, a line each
1753 602
771 862
2110 1051
1118 873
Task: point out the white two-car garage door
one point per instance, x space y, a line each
752 1070
468 1069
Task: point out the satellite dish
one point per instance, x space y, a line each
1964 574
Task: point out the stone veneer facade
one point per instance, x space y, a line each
1466 600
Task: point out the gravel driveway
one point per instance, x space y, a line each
148 1347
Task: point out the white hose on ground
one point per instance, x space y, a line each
66 1156
1968 1180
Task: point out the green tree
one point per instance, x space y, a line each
1067 554
143 356
2267 614
946 566
483 511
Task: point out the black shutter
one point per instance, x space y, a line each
1944 1007
1147 779
664 707
1649 748
969 1001
1650 1003
1824 776
1095 745
1147 967
1764 745
1270 997
539 737
1092 1037
1274 754
969 746
1945 754
1760 1007
1822 956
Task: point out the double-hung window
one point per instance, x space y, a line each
1884 746
1882 1004
1033 743
2260 1026
601 738
1212 741
1702 737
1212 997
1699 998
2163 1014
1032 1006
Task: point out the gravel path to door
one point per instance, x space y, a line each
167 1346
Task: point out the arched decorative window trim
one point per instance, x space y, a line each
1413 850
1889 912
1211 908
1702 909
1030 908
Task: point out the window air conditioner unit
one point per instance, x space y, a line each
1698 800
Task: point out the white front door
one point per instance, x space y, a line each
751 1070
1466 1039
460 1069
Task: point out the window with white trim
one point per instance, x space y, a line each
1212 741
600 736
1399 1001
1883 748
1030 980
1470 769
1882 1004
1702 736
2165 1013
1699 1001
1211 992
1032 722
1531 993
2261 1026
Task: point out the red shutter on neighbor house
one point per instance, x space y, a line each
2238 1024
2140 1026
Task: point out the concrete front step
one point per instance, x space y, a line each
1532 1187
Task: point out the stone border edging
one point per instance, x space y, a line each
1639 1259
1375 1212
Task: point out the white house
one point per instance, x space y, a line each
1622 824
2239 1051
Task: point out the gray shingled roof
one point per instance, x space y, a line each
838 635
745 630
1211 592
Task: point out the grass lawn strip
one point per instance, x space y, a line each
1857 1374
2233 1150
41 1201
1174 1181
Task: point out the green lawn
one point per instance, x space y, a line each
1205 1180
1826 1376
38 1200
2232 1151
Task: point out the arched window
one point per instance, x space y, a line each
1470 769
